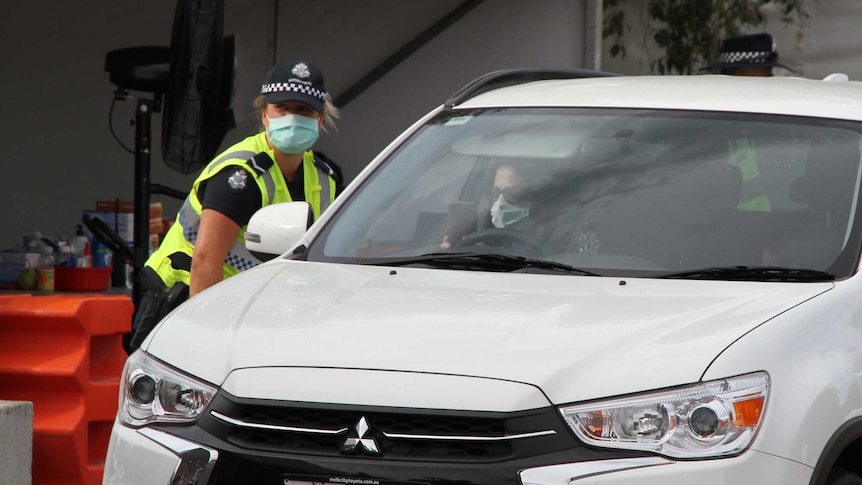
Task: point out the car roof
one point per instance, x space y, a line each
778 95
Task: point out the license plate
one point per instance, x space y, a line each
312 480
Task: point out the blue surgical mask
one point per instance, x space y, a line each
293 133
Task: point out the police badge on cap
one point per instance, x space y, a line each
295 81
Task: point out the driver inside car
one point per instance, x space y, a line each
509 211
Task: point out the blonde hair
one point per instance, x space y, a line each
330 112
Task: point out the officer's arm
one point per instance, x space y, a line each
215 238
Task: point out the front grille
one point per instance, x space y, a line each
397 434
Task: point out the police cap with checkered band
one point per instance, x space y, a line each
755 50
295 81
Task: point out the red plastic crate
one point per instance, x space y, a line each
82 279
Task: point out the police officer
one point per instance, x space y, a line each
748 55
206 244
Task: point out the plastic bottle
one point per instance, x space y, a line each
86 260
102 256
64 254
35 244
45 270
34 247
79 245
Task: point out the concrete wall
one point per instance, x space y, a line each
59 155
16 442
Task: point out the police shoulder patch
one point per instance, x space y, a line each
238 180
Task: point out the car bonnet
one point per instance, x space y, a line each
574 337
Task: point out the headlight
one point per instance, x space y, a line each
709 419
151 391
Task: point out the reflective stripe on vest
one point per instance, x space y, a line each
261 168
238 257
251 154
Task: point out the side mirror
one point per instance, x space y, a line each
276 228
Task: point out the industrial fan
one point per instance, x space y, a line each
195 77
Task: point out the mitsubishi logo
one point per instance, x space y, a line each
354 444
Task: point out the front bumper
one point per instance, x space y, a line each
148 455
151 456
750 467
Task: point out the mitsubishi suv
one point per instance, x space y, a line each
555 277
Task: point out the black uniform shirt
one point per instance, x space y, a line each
231 194
239 197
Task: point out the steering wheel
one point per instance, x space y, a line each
493 236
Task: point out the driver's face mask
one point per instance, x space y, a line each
505 214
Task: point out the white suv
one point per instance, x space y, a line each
553 278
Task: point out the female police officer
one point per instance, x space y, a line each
207 244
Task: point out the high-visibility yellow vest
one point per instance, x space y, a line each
172 260
744 156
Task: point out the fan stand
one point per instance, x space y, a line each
143 121
144 188
143 69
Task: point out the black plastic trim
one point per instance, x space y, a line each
239 463
843 438
394 421
239 466
511 77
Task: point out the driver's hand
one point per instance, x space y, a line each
445 244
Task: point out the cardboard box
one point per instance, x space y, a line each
115 206
109 210
120 216
157 226
123 223
156 211
128 206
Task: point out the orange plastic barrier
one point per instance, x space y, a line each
64 353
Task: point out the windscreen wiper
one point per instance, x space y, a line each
471 261
752 273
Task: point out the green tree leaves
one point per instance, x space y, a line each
690 31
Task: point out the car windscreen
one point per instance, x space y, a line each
615 191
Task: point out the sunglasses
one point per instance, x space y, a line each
513 194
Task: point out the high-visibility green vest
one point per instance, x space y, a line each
172 260
744 156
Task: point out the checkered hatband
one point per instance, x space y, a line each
297 88
746 56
